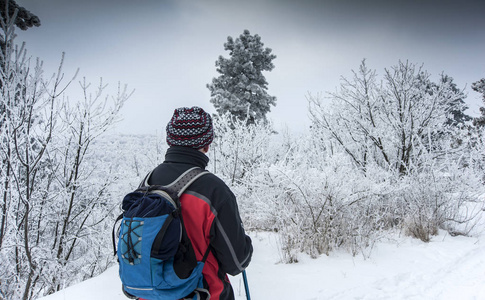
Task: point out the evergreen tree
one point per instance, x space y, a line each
11 12
457 116
479 86
241 89
24 18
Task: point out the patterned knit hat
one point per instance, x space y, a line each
190 127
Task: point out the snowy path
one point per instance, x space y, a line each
421 272
446 268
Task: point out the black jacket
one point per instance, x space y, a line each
211 218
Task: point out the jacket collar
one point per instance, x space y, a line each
186 155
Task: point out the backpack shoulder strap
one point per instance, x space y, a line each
186 179
180 184
145 180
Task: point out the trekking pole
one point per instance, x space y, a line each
246 286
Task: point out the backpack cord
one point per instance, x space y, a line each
131 252
131 248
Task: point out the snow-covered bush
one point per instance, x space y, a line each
239 147
402 127
323 205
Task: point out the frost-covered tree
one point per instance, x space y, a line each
390 122
28 107
53 200
83 203
479 87
241 89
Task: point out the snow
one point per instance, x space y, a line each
402 268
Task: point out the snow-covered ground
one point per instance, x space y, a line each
446 268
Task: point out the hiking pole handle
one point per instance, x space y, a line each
246 285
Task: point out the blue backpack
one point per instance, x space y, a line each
155 255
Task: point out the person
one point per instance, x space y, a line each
209 208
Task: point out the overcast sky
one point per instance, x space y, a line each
166 49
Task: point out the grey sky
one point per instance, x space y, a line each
166 49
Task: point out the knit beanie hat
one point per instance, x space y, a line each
190 127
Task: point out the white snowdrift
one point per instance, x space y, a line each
446 268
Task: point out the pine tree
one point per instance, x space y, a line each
457 116
24 18
11 12
479 86
241 89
